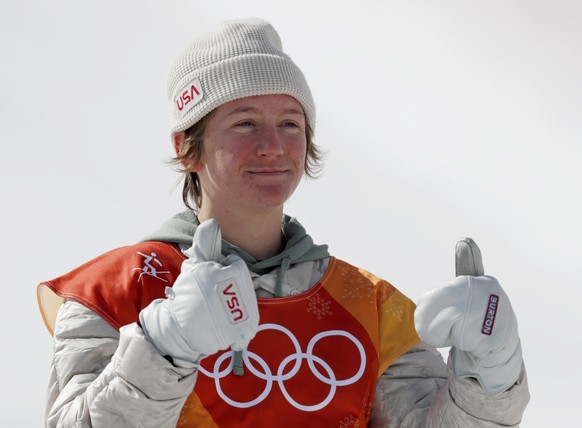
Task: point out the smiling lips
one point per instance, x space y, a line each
268 171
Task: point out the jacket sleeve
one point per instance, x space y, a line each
100 377
418 390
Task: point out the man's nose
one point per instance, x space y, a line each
270 143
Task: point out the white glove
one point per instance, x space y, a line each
474 316
210 307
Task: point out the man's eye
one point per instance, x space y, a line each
291 124
245 123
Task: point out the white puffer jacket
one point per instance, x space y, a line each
101 377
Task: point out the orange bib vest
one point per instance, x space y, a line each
314 361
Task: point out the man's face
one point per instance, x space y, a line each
253 153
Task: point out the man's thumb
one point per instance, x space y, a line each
207 242
468 259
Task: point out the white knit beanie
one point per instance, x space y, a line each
241 58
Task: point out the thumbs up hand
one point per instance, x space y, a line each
473 315
211 306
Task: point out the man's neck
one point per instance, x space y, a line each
258 235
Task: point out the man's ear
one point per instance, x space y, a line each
178 140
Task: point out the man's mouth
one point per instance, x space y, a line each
268 171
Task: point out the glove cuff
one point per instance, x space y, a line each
163 333
495 377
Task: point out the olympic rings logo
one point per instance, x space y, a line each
280 377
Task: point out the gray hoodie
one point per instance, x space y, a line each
299 246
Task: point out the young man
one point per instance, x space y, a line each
230 315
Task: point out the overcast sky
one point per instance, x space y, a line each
441 119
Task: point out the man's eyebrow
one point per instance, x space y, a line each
295 111
243 110
256 111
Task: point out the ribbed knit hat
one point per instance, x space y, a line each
239 59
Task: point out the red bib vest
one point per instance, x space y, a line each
314 361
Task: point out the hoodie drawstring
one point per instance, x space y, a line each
238 367
282 272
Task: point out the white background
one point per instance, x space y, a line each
441 119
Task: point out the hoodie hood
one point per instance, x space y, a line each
179 229
299 246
